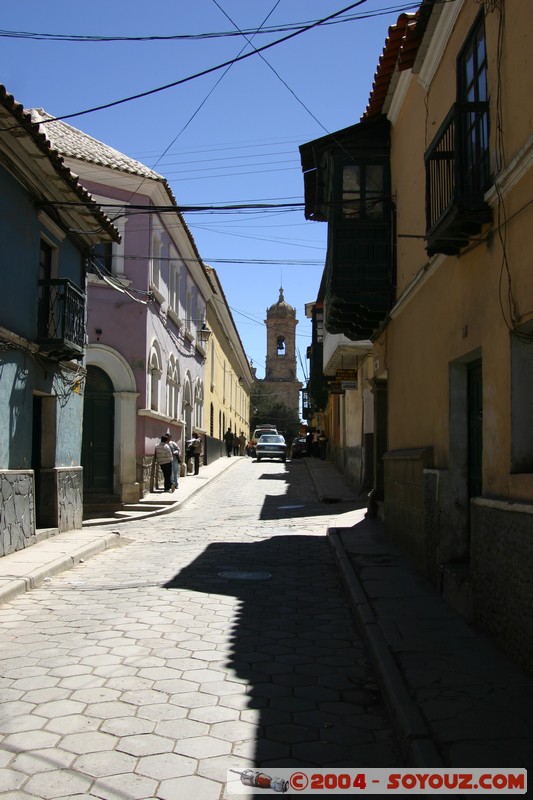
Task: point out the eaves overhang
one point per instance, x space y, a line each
30 155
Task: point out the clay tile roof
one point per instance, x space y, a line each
400 51
74 143
386 66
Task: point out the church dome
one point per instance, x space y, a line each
281 308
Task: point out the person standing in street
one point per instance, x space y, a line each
176 461
163 458
228 438
242 444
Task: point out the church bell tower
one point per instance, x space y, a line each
281 373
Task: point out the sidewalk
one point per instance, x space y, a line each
456 699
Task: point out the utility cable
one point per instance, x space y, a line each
200 74
100 39
269 65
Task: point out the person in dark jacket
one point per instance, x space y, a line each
228 438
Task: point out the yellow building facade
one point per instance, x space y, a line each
457 350
442 160
228 376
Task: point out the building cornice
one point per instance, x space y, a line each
443 30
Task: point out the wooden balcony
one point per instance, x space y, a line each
457 176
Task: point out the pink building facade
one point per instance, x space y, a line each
147 299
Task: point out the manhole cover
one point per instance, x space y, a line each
245 575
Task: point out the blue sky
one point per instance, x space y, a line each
226 137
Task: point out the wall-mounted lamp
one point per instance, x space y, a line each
241 380
204 334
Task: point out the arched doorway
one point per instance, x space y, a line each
98 432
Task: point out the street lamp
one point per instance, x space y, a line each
204 334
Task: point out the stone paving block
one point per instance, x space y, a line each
10 780
202 747
181 728
30 740
144 697
166 765
161 711
130 786
216 767
51 785
113 708
105 763
234 731
69 670
72 723
192 786
95 694
91 742
59 708
193 699
211 714
291 733
37 760
36 683
126 726
22 722
145 744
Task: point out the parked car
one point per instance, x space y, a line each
259 431
299 447
271 445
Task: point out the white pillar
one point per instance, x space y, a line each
125 445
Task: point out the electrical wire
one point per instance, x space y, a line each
200 74
276 73
99 38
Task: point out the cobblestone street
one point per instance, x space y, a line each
216 638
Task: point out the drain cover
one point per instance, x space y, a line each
285 507
245 575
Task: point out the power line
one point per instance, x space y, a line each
200 74
101 39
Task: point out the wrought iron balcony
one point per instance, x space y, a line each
457 176
61 319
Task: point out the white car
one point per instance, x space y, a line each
271 445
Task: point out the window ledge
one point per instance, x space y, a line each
200 348
171 314
188 335
157 415
159 298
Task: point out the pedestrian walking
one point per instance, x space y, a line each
228 438
163 458
242 444
176 461
322 445
194 448
315 444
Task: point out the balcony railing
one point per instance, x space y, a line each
61 319
457 175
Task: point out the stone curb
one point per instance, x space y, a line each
415 738
17 585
